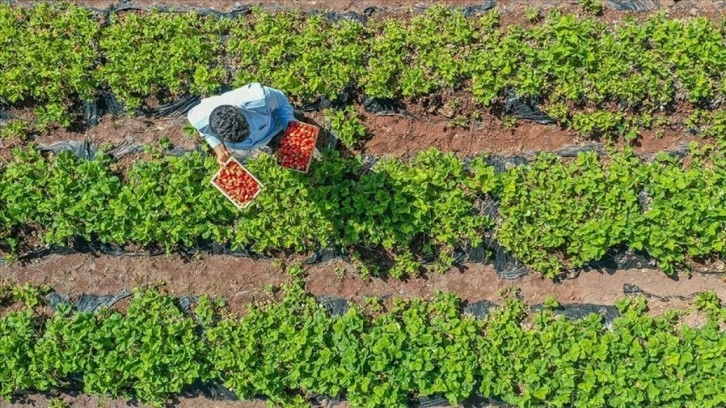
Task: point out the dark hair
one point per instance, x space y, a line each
229 124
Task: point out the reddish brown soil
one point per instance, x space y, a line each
242 280
400 136
86 401
116 131
675 7
405 136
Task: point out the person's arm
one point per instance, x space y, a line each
278 103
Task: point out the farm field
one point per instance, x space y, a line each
523 204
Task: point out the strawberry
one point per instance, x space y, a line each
297 146
237 183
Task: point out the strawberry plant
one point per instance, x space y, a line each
554 214
14 128
149 353
55 56
593 6
603 123
187 46
578 210
420 57
48 56
306 56
372 355
291 216
346 126
685 216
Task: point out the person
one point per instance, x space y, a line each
236 122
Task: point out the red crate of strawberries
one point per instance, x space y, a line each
297 146
236 183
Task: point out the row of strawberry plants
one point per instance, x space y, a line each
554 214
168 202
373 355
579 68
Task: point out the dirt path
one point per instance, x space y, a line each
506 6
388 135
87 401
242 280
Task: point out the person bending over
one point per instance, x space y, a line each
242 120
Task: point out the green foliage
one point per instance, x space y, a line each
19 333
533 13
596 124
14 128
389 207
709 124
168 202
425 206
150 353
593 6
576 211
554 214
563 215
372 355
290 215
305 56
161 53
346 125
55 56
419 57
589 63
57 403
65 197
48 55
686 216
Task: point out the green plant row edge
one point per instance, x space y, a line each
290 348
598 78
553 214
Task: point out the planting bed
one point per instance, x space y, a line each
553 214
291 349
580 150
416 59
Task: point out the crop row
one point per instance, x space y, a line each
372 355
596 77
552 214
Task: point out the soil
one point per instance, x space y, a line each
405 136
117 131
243 280
87 401
400 136
505 7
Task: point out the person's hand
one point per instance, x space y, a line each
223 154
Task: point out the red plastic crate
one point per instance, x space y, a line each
238 204
291 127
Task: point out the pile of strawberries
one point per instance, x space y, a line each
297 146
237 183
